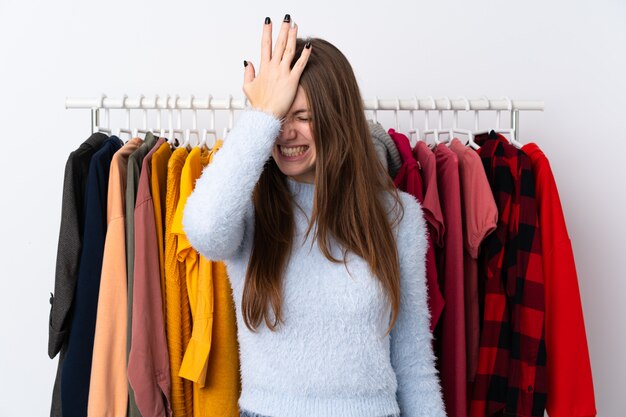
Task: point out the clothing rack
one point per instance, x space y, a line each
175 102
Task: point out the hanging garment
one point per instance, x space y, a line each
68 255
135 161
158 186
386 150
148 364
432 203
218 388
511 373
570 383
480 218
187 256
76 371
108 387
178 314
216 381
409 180
433 215
450 345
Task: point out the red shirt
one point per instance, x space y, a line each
451 343
570 384
409 179
480 218
434 217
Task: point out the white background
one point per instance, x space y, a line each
570 54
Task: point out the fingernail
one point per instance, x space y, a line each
245 64
287 18
308 45
267 20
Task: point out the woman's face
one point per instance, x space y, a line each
294 151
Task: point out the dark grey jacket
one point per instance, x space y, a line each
68 254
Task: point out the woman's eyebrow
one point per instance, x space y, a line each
300 111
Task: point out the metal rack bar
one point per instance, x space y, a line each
230 103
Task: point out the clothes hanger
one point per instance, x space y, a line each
375 110
412 129
476 130
170 113
231 116
510 131
144 114
203 141
160 130
427 130
194 130
97 127
395 114
456 130
211 129
440 129
126 130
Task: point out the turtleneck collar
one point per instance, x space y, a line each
302 192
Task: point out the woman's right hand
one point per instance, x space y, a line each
274 88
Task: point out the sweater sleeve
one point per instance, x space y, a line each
215 213
412 357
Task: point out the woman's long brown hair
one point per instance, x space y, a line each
349 187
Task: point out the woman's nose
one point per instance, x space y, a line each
287 130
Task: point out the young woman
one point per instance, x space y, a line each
325 257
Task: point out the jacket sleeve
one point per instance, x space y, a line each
222 199
412 357
68 257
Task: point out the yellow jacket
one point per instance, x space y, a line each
216 380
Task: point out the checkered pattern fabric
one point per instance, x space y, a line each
511 378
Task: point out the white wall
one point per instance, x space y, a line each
571 54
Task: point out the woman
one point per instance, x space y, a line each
325 257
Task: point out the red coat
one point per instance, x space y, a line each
570 384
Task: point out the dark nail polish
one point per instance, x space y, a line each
267 20
245 63
308 45
287 18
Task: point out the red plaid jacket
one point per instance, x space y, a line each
511 378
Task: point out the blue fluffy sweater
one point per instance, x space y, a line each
331 358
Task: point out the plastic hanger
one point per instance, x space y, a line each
144 113
477 131
126 130
456 130
160 130
395 114
510 131
440 129
203 141
194 130
412 129
375 110
211 129
427 130
98 127
231 116
170 113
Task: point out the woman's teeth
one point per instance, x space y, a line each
293 151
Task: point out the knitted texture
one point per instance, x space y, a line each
178 314
385 148
331 357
